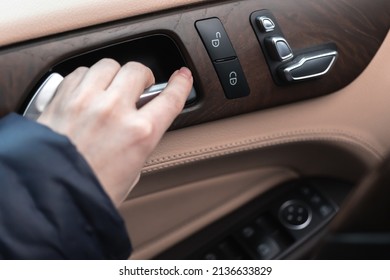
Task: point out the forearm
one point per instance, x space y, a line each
51 204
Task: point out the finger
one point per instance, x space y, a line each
163 109
66 88
99 76
72 81
132 78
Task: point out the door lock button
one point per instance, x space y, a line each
215 39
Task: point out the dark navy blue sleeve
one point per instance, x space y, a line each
51 204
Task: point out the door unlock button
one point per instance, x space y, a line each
215 39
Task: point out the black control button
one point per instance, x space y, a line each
306 191
212 255
258 241
215 39
325 210
232 78
308 66
227 249
247 232
265 24
295 214
267 248
278 48
231 250
313 67
315 199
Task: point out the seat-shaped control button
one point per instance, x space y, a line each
278 48
265 24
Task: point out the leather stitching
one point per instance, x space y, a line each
257 143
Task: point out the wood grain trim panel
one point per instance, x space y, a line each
357 27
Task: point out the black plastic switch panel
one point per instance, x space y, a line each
232 78
269 227
215 39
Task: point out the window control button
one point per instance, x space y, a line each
232 78
215 39
267 248
247 232
211 256
325 210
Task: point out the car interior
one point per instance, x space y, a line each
281 151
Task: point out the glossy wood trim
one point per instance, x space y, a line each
357 27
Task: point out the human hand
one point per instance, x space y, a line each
96 109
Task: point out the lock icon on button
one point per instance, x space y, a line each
233 78
216 41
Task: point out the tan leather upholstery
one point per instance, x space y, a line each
21 20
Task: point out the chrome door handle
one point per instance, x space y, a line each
47 91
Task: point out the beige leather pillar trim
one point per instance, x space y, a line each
149 217
21 20
358 114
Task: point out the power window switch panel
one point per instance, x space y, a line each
278 48
215 39
232 78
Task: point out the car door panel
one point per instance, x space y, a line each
220 153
